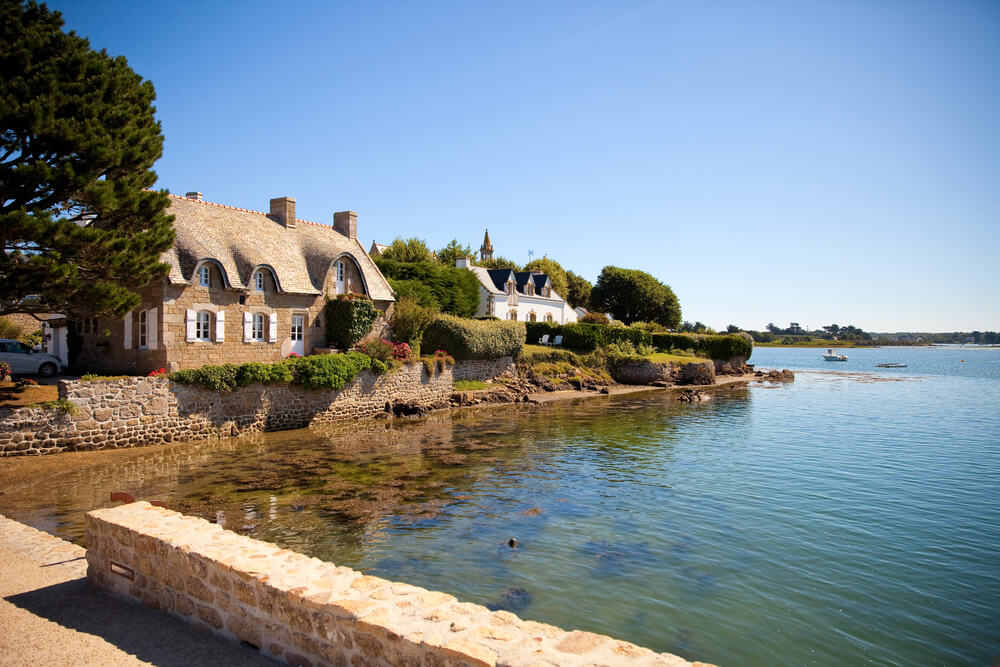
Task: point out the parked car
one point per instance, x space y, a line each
25 361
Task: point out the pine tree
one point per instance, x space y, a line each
79 226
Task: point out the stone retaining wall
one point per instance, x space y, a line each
308 612
139 411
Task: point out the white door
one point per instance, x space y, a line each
298 337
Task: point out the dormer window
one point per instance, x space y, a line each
546 291
204 276
510 287
258 281
529 289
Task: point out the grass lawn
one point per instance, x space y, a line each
18 397
469 385
667 358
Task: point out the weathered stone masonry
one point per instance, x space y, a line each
308 612
140 411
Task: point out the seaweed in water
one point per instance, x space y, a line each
512 599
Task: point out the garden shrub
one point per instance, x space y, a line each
592 336
409 320
725 346
376 349
475 339
218 378
259 373
349 318
331 371
440 360
595 318
416 290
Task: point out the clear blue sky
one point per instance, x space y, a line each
779 161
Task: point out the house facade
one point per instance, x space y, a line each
243 286
526 296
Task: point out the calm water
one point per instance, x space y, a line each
850 517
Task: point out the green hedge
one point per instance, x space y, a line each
324 371
724 346
592 336
349 318
535 330
474 339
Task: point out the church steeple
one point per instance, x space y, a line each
486 251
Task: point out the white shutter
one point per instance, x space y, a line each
247 327
152 326
220 326
191 319
272 327
127 344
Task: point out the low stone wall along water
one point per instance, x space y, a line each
141 411
305 611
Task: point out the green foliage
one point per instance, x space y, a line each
414 289
555 272
259 373
409 321
474 339
595 318
455 290
454 251
469 385
578 290
535 330
78 139
216 378
714 346
408 250
62 405
349 318
330 371
592 336
499 263
31 339
93 377
439 360
9 329
651 327
377 349
630 295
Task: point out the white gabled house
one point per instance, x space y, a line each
526 296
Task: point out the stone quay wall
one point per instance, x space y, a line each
140 411
304 611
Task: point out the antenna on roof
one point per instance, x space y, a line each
531 253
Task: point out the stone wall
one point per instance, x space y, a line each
304 611
139 411
648 372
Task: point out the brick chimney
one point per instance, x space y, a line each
283 208
346 222
193 195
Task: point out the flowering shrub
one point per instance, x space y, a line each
26 382
401 351
4 369
376 349
293 355
157 373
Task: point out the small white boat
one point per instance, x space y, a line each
896 365
831 355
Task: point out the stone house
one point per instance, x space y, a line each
243 286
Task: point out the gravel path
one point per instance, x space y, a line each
49 615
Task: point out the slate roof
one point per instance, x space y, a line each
495 280
240 240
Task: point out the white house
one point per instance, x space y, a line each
518 295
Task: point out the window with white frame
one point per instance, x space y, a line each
143 330
258 281
259 331
203 326
204 276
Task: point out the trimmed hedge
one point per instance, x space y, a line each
324 371
592 336
349 318
724 346
535 330
474 339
